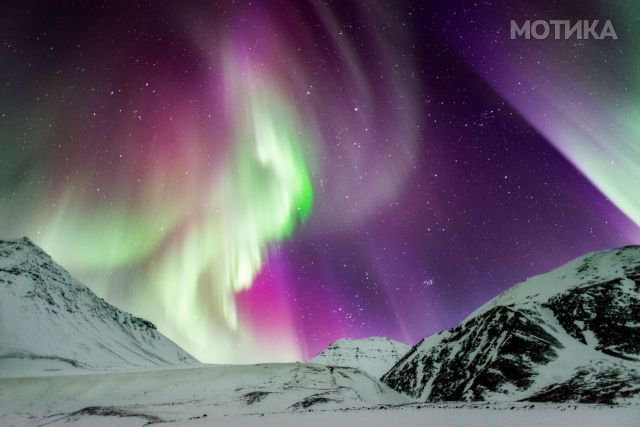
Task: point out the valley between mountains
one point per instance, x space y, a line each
562 348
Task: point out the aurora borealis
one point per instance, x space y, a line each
262 178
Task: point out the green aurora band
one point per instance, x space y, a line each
262 191
191 256
167 186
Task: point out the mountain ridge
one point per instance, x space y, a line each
48 316
540 339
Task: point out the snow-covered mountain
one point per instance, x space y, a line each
51 322
570 334
52 326
374 355
514 347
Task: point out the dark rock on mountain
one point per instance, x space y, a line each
571 334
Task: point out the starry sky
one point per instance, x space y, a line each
260 178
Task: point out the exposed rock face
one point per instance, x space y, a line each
49 321
605 316
571 334
374 355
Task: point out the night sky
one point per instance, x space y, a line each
262 178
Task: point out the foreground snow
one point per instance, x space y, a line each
433 415
449 415
265 395
184 393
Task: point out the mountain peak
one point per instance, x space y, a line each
373 355
46 314
23 241
592 268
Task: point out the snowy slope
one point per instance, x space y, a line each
572 334
529 347
189 393
49 322
264 395
445 415
374 355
